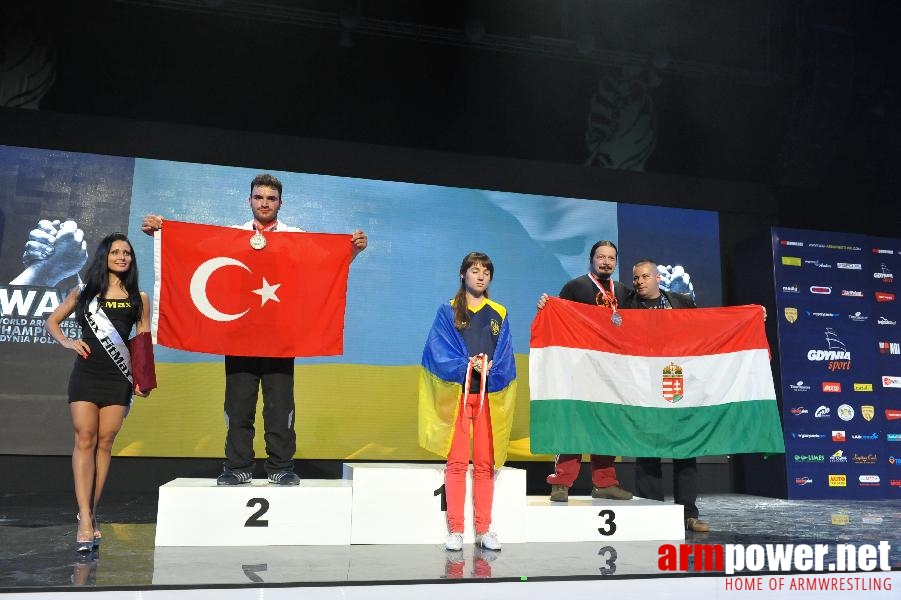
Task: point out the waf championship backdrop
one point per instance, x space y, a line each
836 297
361 404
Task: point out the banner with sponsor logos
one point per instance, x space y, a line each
840 351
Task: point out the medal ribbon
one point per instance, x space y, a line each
609 297
469 369
270 227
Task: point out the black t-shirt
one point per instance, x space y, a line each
582 289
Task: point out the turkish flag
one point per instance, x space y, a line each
216 294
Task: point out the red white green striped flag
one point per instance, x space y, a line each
668 383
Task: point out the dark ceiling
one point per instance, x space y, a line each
801 95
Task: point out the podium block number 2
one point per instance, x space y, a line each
255 520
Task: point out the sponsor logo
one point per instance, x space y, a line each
788 243
865 436
838 480
820 289
803 480
845 412
851 266
868 480
867 411
791 289
882 251
823 412
895 482
893 461
834 247
838 436
799 410
791 261
893 437
858 318
863 387
892 414
863 459
890 381
673 383
809 458
821 314
818 264
791 314
852 293
836 355
884 297
884 274
832 386
838 457
809 436
799 387
889 348
884 321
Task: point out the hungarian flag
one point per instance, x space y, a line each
217 294
667 383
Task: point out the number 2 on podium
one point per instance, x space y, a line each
255 520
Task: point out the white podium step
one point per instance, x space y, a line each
397 503
585 519
197 512
392 503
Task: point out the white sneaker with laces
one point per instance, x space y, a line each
488 541
454 541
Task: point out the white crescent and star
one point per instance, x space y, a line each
202 275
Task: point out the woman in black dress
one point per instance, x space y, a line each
108 305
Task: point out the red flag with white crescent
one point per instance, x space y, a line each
217 294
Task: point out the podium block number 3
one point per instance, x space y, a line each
255 520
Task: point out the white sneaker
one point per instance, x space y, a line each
454 541
488 541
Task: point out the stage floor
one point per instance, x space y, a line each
38 531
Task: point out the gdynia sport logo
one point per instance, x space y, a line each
804 562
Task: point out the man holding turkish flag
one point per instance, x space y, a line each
217 294
261 299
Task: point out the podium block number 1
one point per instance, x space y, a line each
255 520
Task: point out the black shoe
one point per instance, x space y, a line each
230 477
284 478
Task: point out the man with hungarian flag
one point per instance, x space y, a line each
672 383
261 300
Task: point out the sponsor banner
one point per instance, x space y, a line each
791 261
835 341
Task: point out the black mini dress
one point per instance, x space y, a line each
96 378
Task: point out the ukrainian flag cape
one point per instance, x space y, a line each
444 362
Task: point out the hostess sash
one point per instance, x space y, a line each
109 338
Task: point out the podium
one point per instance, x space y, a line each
197 512
392 503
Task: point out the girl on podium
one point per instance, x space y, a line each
101 385
467 390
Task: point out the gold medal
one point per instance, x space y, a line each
257 241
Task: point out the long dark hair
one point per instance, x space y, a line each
461 314
96 279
